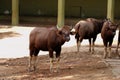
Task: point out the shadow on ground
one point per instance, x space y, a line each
8 34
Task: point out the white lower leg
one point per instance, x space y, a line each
109 52
57 66
89 47
30 63
105 52
51 64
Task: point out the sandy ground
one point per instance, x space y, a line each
73 65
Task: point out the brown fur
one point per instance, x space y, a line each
88 29
107 33
48 39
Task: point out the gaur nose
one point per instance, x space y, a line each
67 39
113 33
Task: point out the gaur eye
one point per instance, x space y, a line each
114 30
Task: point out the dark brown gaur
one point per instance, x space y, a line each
87 29
107 33
118 43
47 39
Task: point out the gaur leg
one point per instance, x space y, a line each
30 61
77 41
51 64
33 59
93 44
78 44
58 51
109 52
89 44
118 43
117 49
110 44
51 55
105 53
105 50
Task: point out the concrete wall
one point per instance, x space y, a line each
38 7
86 8
73 8
117 9
5 6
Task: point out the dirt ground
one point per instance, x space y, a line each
73 65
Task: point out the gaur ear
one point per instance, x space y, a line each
71 27
75 29
105 20
60 32
72 33
117 25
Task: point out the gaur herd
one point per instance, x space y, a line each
52 38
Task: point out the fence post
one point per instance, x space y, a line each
15 12
61 13
110 9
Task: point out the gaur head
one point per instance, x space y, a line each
111 27
65 32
